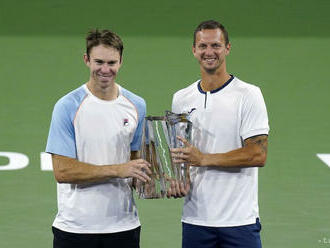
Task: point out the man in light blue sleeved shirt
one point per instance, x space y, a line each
94 138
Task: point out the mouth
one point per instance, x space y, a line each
104 77
210 60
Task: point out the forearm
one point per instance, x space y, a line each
69 170
243 157
252 154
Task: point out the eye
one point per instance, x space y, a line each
98 62
112 62
202 46
216 45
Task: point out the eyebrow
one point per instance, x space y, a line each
211 43
101 60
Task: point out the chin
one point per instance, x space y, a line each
104 84
210 69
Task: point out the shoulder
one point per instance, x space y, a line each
244 86
245 89
251 96
73 98
68 104
189 89
138 101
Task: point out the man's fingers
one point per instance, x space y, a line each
142 161
178 190
141 176
179 161
140 172
178 150
174 191
146 169
185 188
182 188
184 141
143 166
180 156
169 193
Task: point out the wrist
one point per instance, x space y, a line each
111 171
204 159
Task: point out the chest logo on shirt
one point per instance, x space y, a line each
193 109
125 122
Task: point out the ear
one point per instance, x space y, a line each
228 47
86 60
194 50
121 60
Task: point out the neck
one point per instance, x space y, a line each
105 93
212 81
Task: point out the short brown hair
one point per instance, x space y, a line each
104 37
211 24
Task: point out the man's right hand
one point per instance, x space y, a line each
137 168
178 189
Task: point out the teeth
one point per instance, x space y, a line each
210 60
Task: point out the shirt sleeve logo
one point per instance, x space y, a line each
125 122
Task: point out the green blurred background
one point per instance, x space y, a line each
280 45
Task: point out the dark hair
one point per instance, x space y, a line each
104 37
211 24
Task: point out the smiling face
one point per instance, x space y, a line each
104 63
210 50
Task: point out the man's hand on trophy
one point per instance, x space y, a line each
178 189
188 154
137 168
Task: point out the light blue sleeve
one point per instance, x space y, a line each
141 108
61 138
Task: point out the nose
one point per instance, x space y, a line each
105 68
208 50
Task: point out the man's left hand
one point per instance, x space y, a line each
188 154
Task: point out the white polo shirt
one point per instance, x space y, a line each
222 119
99 132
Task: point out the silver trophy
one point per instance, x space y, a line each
160 135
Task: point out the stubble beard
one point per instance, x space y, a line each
212 70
